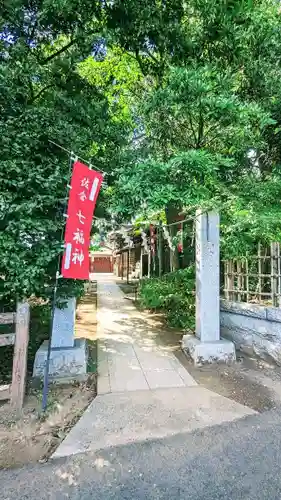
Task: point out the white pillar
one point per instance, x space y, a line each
207 277
207 346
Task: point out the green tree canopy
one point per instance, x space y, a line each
179 102
43 97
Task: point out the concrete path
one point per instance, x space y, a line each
129 356
144 393
138 416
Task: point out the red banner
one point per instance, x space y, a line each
85 187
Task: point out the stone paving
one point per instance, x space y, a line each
129 356
144 393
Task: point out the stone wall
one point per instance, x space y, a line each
254 329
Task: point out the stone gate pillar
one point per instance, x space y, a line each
207 346
208 277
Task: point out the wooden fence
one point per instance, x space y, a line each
16 390
256 279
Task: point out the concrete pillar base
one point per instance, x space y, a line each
219 351
65 362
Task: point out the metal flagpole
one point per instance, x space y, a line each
72 158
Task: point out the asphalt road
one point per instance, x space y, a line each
240 460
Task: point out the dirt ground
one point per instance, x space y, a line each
34 437
246 381
249 381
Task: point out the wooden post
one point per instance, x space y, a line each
128 265
279 277
160 249
175 252
122 265
20 356
225 271
260 272
171 260
247 281
141 263
149 264
239 281
274 254
230 280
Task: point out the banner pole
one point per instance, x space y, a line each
54 300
